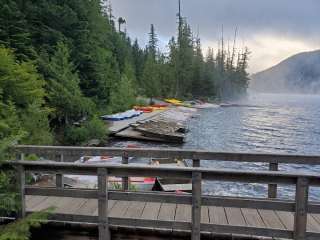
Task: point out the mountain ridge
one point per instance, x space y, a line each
299 73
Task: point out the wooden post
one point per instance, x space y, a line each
104 232
125 180
272 188
59 177
22 182
300 218
22 156
196 205
196 162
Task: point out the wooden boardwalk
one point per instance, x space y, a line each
195 214
136 210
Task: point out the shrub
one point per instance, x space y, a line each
92 129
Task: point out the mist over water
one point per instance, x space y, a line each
272 123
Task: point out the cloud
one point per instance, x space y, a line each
272 29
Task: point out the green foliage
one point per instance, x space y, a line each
118 186
64 94
21 98
20 230
123 96
151 77
93 129
9 199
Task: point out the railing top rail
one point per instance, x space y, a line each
173 153
181 172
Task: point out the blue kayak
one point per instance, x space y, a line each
122 116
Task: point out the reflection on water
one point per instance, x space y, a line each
276 124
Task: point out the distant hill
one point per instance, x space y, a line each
299 73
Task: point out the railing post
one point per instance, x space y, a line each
59 177
196 205
22 182
300 218
196 162
272 188
104 232
125 180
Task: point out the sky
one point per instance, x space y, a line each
272 29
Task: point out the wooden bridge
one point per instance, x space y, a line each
195 214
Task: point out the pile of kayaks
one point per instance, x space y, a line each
177 102
122 116
151 108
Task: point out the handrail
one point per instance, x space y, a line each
173 153
197 174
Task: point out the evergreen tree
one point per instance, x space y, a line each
151 78
138 56
64 94
153 42
14 32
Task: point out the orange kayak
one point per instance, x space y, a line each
143 109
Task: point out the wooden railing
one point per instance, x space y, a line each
300 206
67 154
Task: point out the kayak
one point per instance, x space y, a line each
122 116
173 101
143 109
160 105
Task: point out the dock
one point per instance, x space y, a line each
118 126
196 215
161 126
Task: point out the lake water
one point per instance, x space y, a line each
275 124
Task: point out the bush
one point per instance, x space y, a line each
20 230
93 129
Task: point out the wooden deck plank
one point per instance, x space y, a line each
252 218
111 203
312 224
316 217
45 204
135 210
33 201
217 215
183 213
167 211
287 219
235 217
88 208
205 214
174 212
271 219
70 205
151 211
119 209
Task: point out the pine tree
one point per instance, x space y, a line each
151 78
14 32
153 42
64 94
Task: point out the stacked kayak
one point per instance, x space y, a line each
173 101
122 116
148 109
143 109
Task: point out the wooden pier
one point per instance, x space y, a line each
195 214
